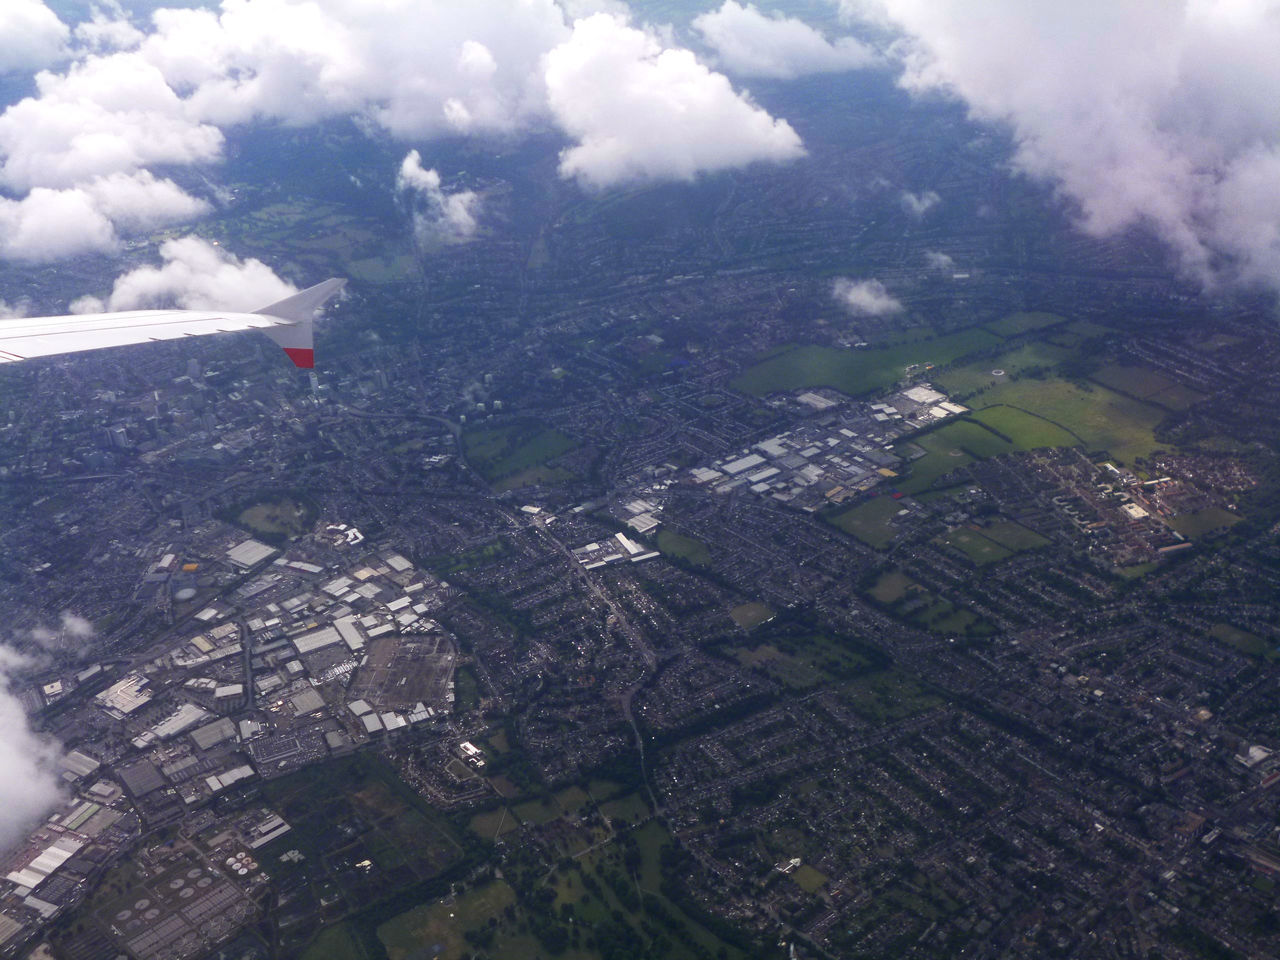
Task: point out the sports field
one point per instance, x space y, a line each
871 522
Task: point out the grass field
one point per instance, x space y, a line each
503 453
871 522
494 823
1014 536
856 372
277 516
1101 418
808 879
975 546
438 930
687 548
887 696
748 615
1203 522
970 378
892 587
1017 323
1028 431
1244 641
1147 384
949 448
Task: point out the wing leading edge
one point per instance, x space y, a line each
289 323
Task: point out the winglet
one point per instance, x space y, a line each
295 335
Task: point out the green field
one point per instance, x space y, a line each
956 445
1017 323
503 453
356 810
801 662
892 587
871 521
494 823
856 372
888 696
975 546
1101 418
1147 384
1014 536
1027 430
1202 522
748 615
1247 643
606 903
808 879
971 378
686 548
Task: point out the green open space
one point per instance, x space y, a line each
685 548
1014 536
1200 523
860 371
888 695
1026 431
748 615
804 662
1100 418
966 380
975 546
892 586
1147 384
278 516
1023 322
1247 643
515 451
494 823
872 521
609 902
948 448
628 809
808 879
354 809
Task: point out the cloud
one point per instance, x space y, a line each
195 275
442 218
108 28
31 35
50 224
939 261
918 204
1179 132
865 298
28 763
640 111
751 44
13 311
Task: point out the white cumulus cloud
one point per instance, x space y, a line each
642 111
440 218
31 35
749 43
1144 113
28 762
918 204
194 275
865 298
937 260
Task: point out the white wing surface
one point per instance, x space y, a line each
288 323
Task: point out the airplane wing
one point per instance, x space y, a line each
288 323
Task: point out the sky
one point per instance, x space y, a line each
1159 114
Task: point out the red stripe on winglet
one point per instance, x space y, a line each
306 359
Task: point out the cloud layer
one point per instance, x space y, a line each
86 148
1148 112
749 43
